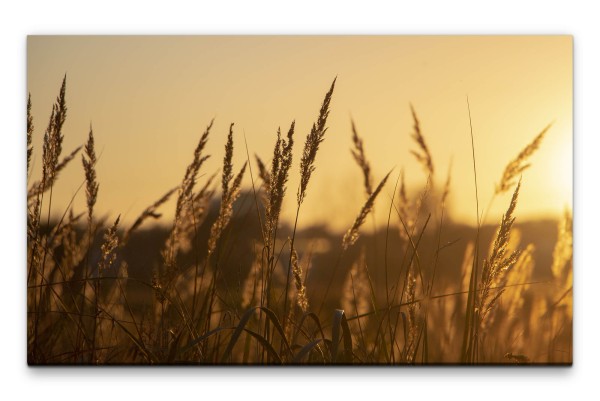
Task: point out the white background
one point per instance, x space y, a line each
17 20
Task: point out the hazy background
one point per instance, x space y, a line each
150 98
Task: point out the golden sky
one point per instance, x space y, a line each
150 98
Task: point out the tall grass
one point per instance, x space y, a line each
280 302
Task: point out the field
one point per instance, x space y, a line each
229 282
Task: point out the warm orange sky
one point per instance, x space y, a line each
150 98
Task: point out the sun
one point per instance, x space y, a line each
557 161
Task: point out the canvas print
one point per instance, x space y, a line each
299 200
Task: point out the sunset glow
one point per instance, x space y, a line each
149 99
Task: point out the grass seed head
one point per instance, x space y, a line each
516 166
109 247
301 298
359 156
29 132
352 234
313 140
89 166
423 155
